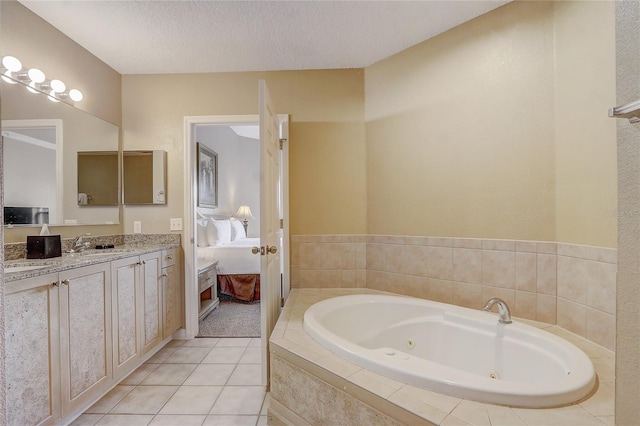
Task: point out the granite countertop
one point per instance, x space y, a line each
289 335
27 268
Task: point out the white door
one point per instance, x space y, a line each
269 222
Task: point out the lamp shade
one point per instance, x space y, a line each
244 211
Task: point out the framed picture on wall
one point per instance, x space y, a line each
207 177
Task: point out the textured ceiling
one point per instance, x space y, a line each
155 37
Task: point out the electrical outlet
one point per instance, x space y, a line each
137 227
175 224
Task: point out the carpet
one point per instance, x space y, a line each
232 318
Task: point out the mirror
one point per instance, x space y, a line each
144 177
98 178
41 145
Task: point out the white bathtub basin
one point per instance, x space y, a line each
452 350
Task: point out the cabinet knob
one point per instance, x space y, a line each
144 262
55 284
65 282
165 275
169 257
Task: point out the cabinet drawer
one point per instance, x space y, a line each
169 257
207 278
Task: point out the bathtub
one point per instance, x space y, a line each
452 350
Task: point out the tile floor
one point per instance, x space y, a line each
204 382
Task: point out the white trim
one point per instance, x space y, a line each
286 259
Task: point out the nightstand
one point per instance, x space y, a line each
208 287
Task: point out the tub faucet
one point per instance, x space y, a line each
503 309
79 245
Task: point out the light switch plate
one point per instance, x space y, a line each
175 224
137 227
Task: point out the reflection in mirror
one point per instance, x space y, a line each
75 131
31 153
98 178
144 177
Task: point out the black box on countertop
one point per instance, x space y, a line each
43 246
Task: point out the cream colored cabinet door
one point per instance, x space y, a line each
172 312
32 351
125 297
85 334
151 301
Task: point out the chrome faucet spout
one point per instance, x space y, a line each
503 309
79 245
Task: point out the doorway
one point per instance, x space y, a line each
230 307
192 294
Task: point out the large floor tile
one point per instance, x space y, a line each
87 420
139 374
235 341
169 374
222 420
210 374
189 355
235 400
253 355
224 355
144 400
192 400
246 375
201 342
161 355
124 420
177 420
108 401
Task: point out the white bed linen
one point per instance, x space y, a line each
234 257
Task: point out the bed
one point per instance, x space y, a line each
238 268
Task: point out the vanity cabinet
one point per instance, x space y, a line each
151 305
32 343
72 335
173 294
138 303
125 297
58 343
85 334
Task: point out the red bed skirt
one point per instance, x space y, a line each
241 286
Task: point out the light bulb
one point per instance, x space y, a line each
6 76
58 86
35 75
32 87
53 96
75 95
12 63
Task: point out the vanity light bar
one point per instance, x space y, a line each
13 72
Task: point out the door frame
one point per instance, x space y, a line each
191 307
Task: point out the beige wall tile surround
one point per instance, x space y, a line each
566 284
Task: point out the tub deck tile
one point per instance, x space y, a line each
373 382
414 400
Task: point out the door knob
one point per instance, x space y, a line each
272 249
255 250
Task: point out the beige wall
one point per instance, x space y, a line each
327 174
38 44
462 130
586 178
